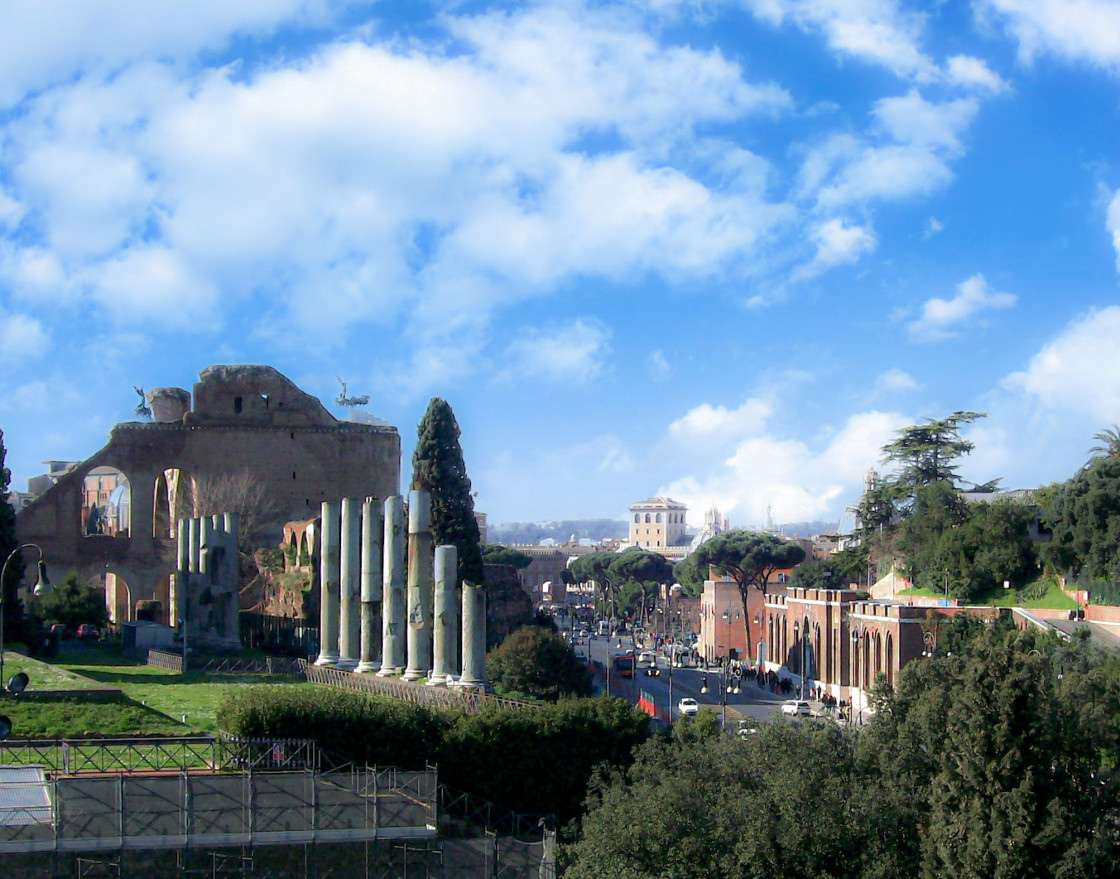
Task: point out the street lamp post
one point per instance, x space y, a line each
42 587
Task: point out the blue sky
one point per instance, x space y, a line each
716 250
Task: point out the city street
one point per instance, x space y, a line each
752 702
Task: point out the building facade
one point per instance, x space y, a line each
246 421
658 523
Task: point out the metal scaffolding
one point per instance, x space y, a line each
217 807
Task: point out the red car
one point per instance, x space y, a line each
88 632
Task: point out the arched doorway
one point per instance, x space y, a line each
173 500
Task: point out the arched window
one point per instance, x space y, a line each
237 405
637 518
647 518
658 519
106 503
890 660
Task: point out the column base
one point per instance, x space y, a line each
414 674
365 667
346 664
327 659
473 684
389 671
437 680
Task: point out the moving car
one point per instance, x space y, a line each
794 707
688 706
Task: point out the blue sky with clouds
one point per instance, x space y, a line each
718 250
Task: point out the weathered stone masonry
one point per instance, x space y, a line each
244 418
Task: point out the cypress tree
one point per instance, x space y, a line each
13 610
438 468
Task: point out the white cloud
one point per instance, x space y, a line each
659 367
571 352
895 379
22 338
798 482
890 172
1112 223
386 182
942 318
1076 30
914 120
707 421
876 31
837 244
1079 371
152 284
50 41
933 226
969 72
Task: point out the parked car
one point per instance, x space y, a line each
59 630
795 707
688 706
88 632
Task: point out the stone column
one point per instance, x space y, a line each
371 583
231 525
419 585
182 575
392 605
328 585
194 575
474 636
444 642
210 565
350 613
194 527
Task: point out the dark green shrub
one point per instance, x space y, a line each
536 761
348 726
538 662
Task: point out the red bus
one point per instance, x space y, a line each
624 665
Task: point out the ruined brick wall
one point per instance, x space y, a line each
245 418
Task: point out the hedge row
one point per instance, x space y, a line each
532 762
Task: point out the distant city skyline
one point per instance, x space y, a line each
716 250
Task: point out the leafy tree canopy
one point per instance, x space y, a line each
538 662
496 554
438 468
750 558
1084 515
926 453
689 573
73 601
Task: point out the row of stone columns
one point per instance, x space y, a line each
419 626
206 589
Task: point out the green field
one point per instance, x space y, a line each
1031 595
154 701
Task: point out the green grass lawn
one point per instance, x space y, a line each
154 702
43 676
1053 598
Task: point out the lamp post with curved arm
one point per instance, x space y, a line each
42 587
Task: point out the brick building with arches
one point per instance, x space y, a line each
245 421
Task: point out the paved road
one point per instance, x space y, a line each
752 702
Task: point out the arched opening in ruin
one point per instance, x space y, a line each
118 599
160 611
106 503
303 559
173 500
890 659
